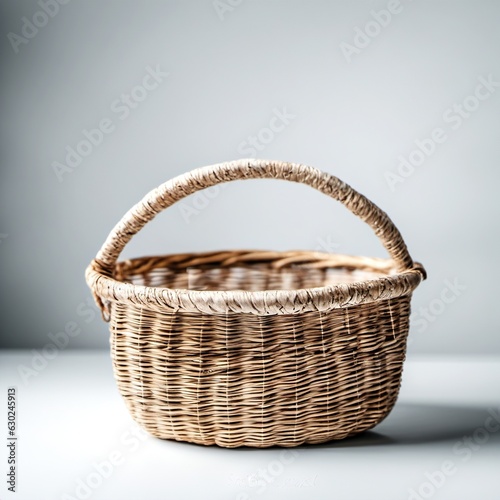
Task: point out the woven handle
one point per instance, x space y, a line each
179 187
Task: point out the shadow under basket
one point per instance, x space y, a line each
256 348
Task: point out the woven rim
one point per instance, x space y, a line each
106 289
265 302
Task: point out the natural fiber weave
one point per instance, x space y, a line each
256 348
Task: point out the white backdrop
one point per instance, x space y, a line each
102 101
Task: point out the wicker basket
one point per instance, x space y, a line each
256 348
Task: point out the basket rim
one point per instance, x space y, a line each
108 290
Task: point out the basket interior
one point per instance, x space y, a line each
251 271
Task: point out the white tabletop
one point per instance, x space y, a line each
442 440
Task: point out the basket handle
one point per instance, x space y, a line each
179 187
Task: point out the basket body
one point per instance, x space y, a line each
243 379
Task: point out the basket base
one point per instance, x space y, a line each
283 441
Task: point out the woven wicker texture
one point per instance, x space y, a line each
256 348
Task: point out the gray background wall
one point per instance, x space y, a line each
231 64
